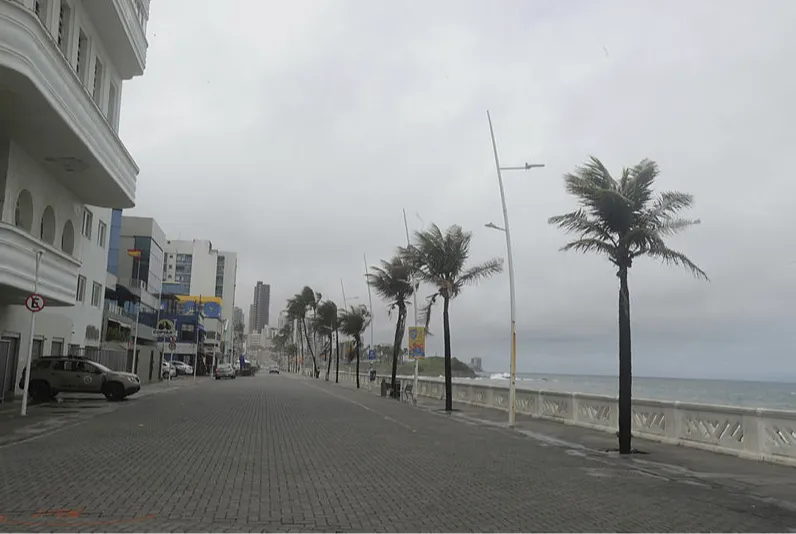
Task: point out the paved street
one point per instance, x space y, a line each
280 453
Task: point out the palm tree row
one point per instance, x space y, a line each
622 219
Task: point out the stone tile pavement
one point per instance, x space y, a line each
281 453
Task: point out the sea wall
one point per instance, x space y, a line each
759 434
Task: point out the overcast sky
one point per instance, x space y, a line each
294 132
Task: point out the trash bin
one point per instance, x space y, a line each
383 388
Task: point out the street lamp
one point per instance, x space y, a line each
506 230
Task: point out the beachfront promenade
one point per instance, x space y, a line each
753 433
288 453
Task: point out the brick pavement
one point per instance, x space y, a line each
279 453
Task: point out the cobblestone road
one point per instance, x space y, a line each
278 453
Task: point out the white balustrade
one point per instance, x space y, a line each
760 434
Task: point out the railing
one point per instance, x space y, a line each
755 433
114 308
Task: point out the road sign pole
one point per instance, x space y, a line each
29 358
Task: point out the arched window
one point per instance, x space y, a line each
68 238
47 230
23 213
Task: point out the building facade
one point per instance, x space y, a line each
62 165
261 304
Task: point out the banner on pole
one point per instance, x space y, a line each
417 342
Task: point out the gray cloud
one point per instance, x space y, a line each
295 132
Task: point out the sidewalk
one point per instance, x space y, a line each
70 409
768 483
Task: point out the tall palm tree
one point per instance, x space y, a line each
393 283
326 325
353 322
439 259
310 299
624 219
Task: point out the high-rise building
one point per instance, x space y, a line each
260 307
63 167
198 273
237 316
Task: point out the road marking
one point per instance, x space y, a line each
387 417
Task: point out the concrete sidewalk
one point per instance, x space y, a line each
770 484
70 409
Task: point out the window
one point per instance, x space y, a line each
38 349
64 16
113 93
81 288
57 347
96 294
88 222
82 52
68 238
40 7
47 227
96 94
23 212
102 231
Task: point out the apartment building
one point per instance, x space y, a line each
260 308
63 167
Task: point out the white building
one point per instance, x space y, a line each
195 268
62 164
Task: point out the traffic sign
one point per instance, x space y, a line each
372 354
172 346
173 339
35 302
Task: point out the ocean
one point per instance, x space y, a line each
776 395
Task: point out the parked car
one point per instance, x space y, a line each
73 374
225 370
274 370
182 368
167 370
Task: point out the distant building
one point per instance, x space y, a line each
261 304
237 316
475 364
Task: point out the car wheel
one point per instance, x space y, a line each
114 391
39 390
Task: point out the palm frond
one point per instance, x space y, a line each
672 257
670 227
425 311
477 273
638 188
579 222
592 245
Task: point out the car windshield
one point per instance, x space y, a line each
101 367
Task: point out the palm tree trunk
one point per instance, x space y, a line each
625 365
329 361
337 358
315 372
446 327
396 347
359 347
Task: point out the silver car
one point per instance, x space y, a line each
225 370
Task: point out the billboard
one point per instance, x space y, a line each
210 306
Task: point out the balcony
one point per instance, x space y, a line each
45 108
121 26
57 273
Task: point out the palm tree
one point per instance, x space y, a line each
353 322
326 325
393 282
623 219
297 308
439 259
